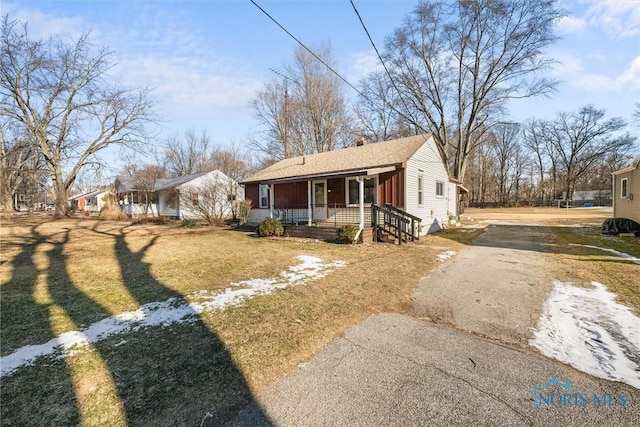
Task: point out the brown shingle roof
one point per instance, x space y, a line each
353 159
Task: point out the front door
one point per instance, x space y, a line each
319 201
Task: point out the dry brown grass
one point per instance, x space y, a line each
59 276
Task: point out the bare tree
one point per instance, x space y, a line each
188 155
21 166
455 64
143 180
59 92
504 144
209 200
579 141
378 110
304 111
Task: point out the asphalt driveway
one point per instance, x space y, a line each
495 287
401 370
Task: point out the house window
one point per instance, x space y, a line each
264 196
420 184
194 199
624 188
353 192
439 189
173 201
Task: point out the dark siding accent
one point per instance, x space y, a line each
391 188
252 192
335 189
291 194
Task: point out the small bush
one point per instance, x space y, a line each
189 223
347 234
112 213
243 210
270 227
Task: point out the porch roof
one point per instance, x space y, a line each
368 159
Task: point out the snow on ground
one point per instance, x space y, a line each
613 251
589 330
443 256
173 310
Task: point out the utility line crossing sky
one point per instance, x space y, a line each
207 59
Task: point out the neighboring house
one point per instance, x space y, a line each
179 197
626 192
131 200
341 186
89 202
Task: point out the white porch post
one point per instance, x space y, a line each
270 189
309 207
360 180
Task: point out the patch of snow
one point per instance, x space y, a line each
443 256
589 330
613 251
172 310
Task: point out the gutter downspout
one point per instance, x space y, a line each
360 180
309 208
270 189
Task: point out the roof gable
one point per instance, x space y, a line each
352 159
171 183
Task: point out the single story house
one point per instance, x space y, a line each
180 197
89 202
132 200
626 192
341 186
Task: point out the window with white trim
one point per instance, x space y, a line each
624 188
420 186
353 191
439 189
264 196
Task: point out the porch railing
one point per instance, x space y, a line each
395 222
332 213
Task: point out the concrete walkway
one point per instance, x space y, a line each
400 370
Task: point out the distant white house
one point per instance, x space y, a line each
89 202
179 197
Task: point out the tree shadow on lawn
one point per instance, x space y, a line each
178 374
32 395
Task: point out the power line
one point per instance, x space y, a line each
393 83
338 74
307 49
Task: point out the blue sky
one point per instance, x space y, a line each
207 59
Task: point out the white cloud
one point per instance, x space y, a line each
619 19
631 76
571 25
573 71
43 26
362 63
185 86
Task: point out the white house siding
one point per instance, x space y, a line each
257 215
434 211
185 213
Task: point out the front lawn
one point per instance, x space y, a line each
62 276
